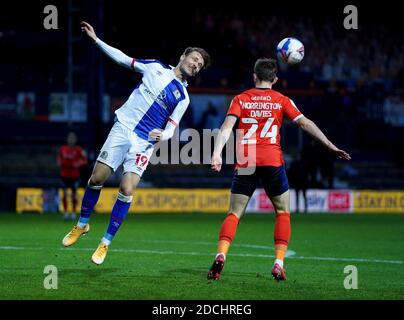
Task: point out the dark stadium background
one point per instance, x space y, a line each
348 109
351 83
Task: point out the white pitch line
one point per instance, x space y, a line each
206 254
200 242
349 259
242 245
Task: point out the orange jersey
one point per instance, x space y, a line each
70 159
260 113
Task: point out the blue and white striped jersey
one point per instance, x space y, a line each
158 98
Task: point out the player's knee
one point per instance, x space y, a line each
237 213
126 190
96 180
280 212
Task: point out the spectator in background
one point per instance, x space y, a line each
210 118
326 166
298 178
71 158
310 155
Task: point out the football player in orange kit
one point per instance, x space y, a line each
259 112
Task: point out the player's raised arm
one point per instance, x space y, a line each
311 128
223 136
117 55
89 30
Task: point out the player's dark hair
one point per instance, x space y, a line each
204 54
265 69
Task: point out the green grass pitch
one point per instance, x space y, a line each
167 256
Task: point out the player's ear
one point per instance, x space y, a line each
255 78
182 57
275 80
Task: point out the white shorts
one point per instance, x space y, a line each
123 146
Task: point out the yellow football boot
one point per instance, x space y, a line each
74 235
100 254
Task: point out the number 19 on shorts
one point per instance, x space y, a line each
141 160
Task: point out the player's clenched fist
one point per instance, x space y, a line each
216 163
155 135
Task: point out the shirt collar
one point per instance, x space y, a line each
184 83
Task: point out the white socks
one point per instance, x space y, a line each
280 262
81 225
222 254
106 241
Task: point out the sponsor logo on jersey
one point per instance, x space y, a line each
149 93
159 99
262 98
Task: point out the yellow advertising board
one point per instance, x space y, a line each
162 200
170 200
196 200
80 194
29 200
367 201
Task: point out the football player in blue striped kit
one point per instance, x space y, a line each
151 114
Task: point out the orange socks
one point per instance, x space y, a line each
280 251
227 232
281 234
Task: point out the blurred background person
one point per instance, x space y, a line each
298 179
71 158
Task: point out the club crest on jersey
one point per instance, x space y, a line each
177 94
159 73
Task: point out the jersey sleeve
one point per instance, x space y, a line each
235 107
143 65
290 109
116 55
178 112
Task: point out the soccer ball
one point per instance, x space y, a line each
290 51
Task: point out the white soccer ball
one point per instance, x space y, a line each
290 51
